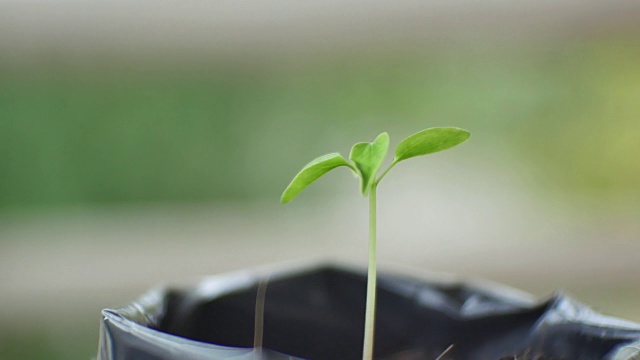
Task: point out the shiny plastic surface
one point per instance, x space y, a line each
318 312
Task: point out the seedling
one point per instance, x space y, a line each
365 160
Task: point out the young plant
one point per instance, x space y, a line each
365 160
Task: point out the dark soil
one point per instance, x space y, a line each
530 356
418 355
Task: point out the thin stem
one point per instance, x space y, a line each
385 172
441 356
259 317
367 351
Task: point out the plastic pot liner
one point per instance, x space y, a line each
317 312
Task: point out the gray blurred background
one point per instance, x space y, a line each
146 143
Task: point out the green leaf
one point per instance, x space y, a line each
429 141
368 157
310 173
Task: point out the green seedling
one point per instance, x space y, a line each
365 160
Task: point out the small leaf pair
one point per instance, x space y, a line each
366 158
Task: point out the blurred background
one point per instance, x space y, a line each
146 143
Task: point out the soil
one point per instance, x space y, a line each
530 356
418 355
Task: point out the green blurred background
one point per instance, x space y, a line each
149 144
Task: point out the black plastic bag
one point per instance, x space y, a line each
318 313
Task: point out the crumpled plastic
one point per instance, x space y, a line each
317 312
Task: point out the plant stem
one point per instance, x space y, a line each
259 317
386 171
367 351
